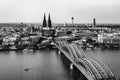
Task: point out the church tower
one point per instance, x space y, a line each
47 30
44 21
49 22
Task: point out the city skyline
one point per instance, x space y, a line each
83 11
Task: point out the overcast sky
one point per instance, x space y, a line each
83 11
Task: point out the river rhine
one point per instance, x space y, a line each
48 65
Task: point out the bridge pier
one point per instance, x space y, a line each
59 52
71 66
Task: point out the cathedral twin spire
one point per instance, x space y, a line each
44 21
47 24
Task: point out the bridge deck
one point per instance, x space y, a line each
79 67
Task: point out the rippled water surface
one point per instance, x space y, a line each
35 65
48 65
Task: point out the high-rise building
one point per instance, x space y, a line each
44 21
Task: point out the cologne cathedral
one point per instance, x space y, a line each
47 30
47 23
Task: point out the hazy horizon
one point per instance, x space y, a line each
83 11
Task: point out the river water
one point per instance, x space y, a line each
35 65
48 65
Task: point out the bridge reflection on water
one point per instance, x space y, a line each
36 65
